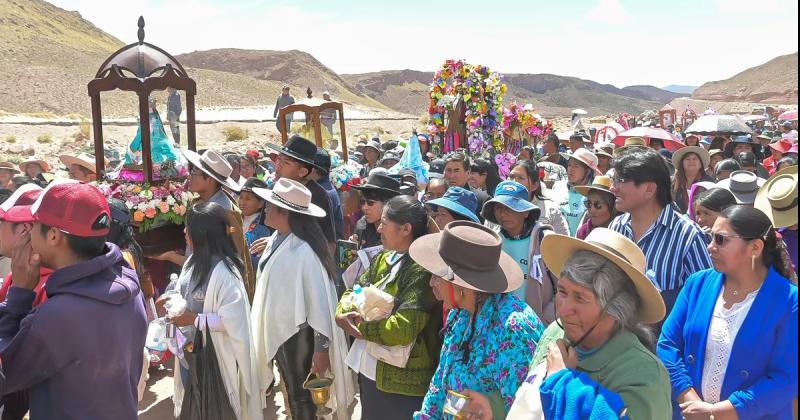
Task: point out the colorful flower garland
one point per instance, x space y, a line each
525 119
344 175
482 92
151 205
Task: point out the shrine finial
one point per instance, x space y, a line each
140 32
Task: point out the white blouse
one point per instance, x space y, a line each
725 325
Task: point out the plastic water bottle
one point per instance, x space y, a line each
358 297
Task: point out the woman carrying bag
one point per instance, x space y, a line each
214 371
392 389
294 303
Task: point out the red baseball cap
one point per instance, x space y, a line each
73 207
24 196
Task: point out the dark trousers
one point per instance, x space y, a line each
16 404
294 364
379 405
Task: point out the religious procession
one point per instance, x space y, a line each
486 266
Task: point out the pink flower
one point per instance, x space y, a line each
150 212
164 207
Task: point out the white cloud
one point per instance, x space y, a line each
759 7
609 12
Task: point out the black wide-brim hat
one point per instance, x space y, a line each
380 183
298 148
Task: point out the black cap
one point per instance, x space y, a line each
437 166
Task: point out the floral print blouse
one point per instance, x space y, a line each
494 358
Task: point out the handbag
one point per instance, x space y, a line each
205 397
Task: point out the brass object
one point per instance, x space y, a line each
320 388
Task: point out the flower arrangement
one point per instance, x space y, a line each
504 163
151 205
518 119
481 90
344 175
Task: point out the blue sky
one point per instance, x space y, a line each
621 42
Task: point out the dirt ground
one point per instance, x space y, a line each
157 404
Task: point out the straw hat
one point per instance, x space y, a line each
587 158
678 156
214 165
601 183
714 152
630 142
777 198
619 250
9 167
43 164
290 195
82 159
468 255
743 185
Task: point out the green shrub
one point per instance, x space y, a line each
44 139
84 131
235 133
11 139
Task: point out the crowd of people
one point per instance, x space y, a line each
591 281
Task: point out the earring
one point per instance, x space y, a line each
753 263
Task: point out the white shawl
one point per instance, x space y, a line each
226 297
294 289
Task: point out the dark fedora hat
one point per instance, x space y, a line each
253 182
468 255
380 183
298 148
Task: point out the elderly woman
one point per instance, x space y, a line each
730 342
581 170
596 360
600 210
526 172
490 334
393 389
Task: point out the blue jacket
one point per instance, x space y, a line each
761 379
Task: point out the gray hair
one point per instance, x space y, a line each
613 288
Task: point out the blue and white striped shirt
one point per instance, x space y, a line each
674 247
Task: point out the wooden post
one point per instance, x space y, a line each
315 121
343 138
144 123
190 122
97 126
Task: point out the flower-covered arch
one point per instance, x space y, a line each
472 90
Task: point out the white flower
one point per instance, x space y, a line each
142 206
170 200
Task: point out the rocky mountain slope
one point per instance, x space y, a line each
772 82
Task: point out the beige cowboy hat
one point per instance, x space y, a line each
40 162
588 158
714 152
468 255
214 165
630 142
82 159
601 183
290 195
777 198
619 250
9 167
678 156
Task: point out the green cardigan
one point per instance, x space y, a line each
417 319
625 366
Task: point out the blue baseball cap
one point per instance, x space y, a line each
458 200
512 195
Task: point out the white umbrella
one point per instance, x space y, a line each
579 111
719 124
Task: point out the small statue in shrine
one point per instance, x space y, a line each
164 153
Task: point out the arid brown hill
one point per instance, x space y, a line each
772 82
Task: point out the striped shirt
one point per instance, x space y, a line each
674 248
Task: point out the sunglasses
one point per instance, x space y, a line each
616 180
596 204
368 201
720 239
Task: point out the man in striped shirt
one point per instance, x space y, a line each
673 245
